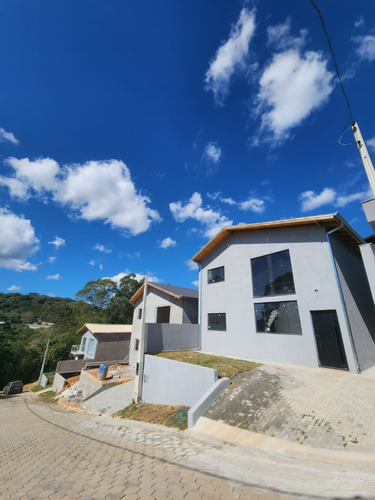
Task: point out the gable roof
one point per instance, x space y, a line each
96 328
178 292
330 221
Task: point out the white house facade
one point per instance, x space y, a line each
291 291
170 319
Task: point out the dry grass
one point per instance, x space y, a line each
226 367
170 416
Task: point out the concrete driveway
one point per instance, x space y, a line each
321 409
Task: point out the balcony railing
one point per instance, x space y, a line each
76 349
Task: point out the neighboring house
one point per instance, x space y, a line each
103 342
98 343
291 291
170 321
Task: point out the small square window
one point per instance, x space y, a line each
215 275
217 321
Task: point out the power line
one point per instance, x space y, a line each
347 124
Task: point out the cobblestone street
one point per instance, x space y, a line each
49 453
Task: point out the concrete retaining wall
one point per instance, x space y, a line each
58 383
174 383
206 400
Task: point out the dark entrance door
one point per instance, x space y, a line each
328 339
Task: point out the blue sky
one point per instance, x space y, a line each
131 132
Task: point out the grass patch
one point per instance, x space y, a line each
170 416
37 388
226 367
48 397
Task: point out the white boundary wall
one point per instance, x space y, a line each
170 382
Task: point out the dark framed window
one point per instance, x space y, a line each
163 314
217 321
140 313
278 317
136 344
272 274
215 275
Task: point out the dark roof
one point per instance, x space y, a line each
178 292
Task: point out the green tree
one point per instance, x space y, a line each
98 293
120 310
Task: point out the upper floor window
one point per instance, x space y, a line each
272 274
140 313
215 275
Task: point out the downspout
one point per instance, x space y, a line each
342 295
200 308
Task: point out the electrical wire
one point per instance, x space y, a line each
349 120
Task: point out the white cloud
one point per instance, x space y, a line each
117 277
253 204
195 283
228 201
213 221
56 277
14 288
7 136
279 36
365 47
96 190
102 248
167 242
211 153
231 57
58 242
291 87
17 242
343 200
31 176
92 263
370 144
193 266
310 200
359 23
51 260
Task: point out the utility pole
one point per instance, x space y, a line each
44 360
141 350
366 160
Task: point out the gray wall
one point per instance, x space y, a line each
358 300
368 257
183 312
315 287
174 383
167 337
112 346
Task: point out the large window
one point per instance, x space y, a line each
215 275
217 321
278 317
272 274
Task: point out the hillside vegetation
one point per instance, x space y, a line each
22 348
